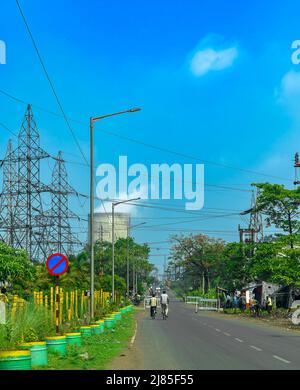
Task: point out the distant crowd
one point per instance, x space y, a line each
238 300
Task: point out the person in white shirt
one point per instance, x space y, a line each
164 301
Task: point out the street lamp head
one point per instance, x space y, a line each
134 109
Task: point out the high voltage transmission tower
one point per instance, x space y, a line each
61 238
23 222
255 228
8 195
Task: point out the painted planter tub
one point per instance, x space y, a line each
39 352
86 331
57 344
73 338
15 360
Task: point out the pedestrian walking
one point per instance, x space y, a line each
164 301
235 302
243 302
228 301
269 304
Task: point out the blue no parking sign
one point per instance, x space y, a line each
57 264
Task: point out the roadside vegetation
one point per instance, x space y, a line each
202 263
97 351
28 290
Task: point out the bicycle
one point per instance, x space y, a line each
163 311
153 313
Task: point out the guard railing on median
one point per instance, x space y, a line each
203 303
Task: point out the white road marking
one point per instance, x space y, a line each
256 348
281 359
218 330
226 334
134 336
239 340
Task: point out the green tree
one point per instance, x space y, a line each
277 263
234 271
15 267
199 255
280 206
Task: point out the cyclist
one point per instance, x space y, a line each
153 306
164 301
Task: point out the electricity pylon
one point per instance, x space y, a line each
61 238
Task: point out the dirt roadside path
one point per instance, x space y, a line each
131 357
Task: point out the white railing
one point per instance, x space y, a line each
203 303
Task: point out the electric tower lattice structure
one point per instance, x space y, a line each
24 224
255 228
296 166
61 238
8 196
26 230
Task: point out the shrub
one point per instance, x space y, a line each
32 323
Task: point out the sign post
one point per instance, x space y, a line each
57 264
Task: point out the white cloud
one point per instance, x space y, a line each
288 94
290 85
207 59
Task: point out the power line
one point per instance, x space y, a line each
50 81
7 129
162 149
195 220
117 135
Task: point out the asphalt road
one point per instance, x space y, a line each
203 340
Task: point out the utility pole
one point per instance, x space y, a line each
165 266
296 166
91 221
114 204
129 228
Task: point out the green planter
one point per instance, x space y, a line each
39 353
86 331
96 329
109 323
15 360
101 323
57 344
73 338
118 316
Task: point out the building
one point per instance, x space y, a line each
260 291
103 226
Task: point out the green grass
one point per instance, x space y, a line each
97 351
32 323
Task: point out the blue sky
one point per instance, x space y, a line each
214 79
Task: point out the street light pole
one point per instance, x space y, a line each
92 265
91 221
113 254
127 255
114 204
